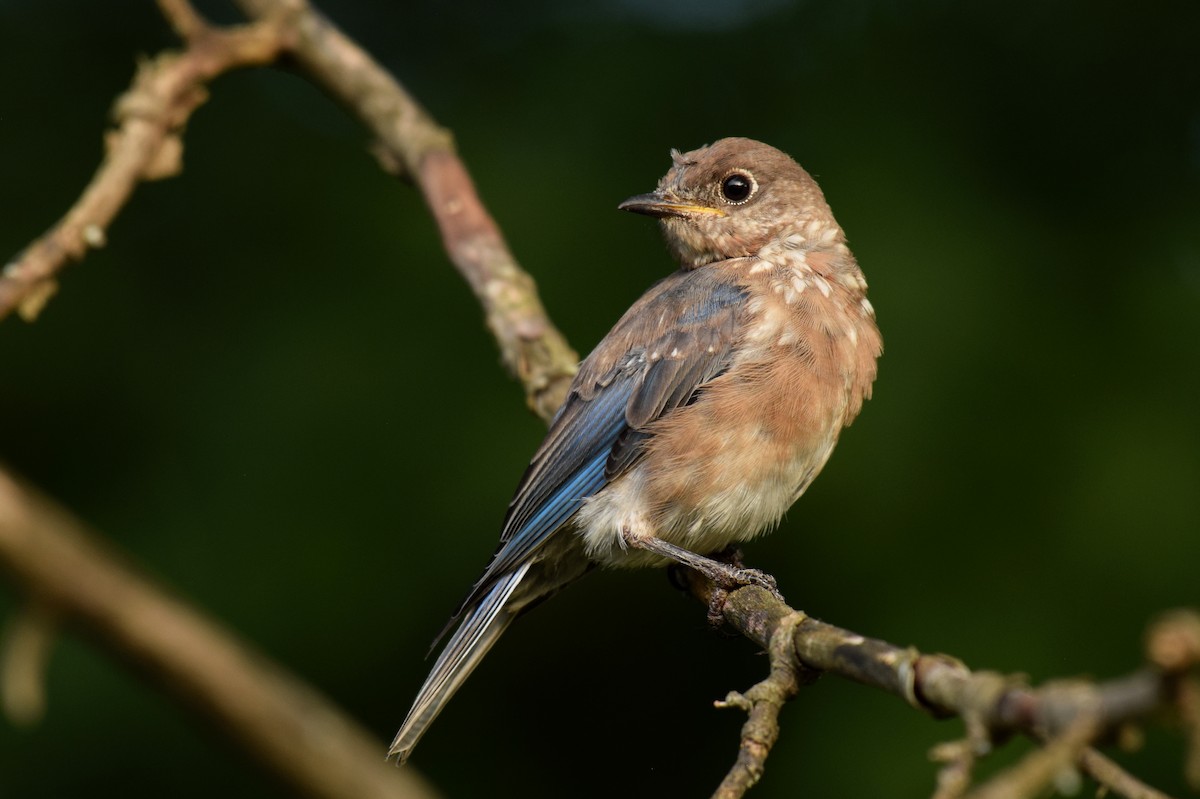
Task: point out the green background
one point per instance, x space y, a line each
275 395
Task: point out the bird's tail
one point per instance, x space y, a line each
481 628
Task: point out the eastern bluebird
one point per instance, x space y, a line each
705 412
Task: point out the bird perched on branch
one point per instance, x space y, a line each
705 412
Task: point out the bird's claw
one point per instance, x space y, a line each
744 576
726 579
730 572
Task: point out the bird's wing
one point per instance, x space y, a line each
677 337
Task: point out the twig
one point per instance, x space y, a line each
944 686
287 724
27 644
1116 779
184 19
954 778
273 714
146 144
409 142
762 704
1041 767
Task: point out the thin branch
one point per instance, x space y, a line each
411 143
944 686
1042 767
954 777
27 644
187 23
287 724
1105 772
306 740
959 758
762 704
146 144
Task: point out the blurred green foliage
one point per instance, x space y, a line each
271 390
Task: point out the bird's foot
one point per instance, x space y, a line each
730 577
736 574
725 571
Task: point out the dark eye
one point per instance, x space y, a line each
737 188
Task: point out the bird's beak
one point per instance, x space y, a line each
657 205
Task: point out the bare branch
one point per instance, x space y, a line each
411 143
1115 778
943 686
762 703
27 644
184 19
145 145
954 777
1053 763
287 724
48 552
959 757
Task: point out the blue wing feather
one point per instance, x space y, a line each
677 337
673 340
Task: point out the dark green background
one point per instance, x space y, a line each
272 391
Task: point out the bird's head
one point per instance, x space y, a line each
731 199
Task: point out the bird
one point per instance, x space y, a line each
702 416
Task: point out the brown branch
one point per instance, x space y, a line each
944 686
281 720
184 19
959 757
27 643
410 142
1041 767
762 704
1119 781
276 717
954 777
146 144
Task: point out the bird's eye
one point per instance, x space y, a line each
738 187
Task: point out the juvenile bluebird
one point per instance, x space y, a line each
705 412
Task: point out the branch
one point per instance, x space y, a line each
1066 715
1121 782
762 704
24 654
410 143
71 577
146 144
276 717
